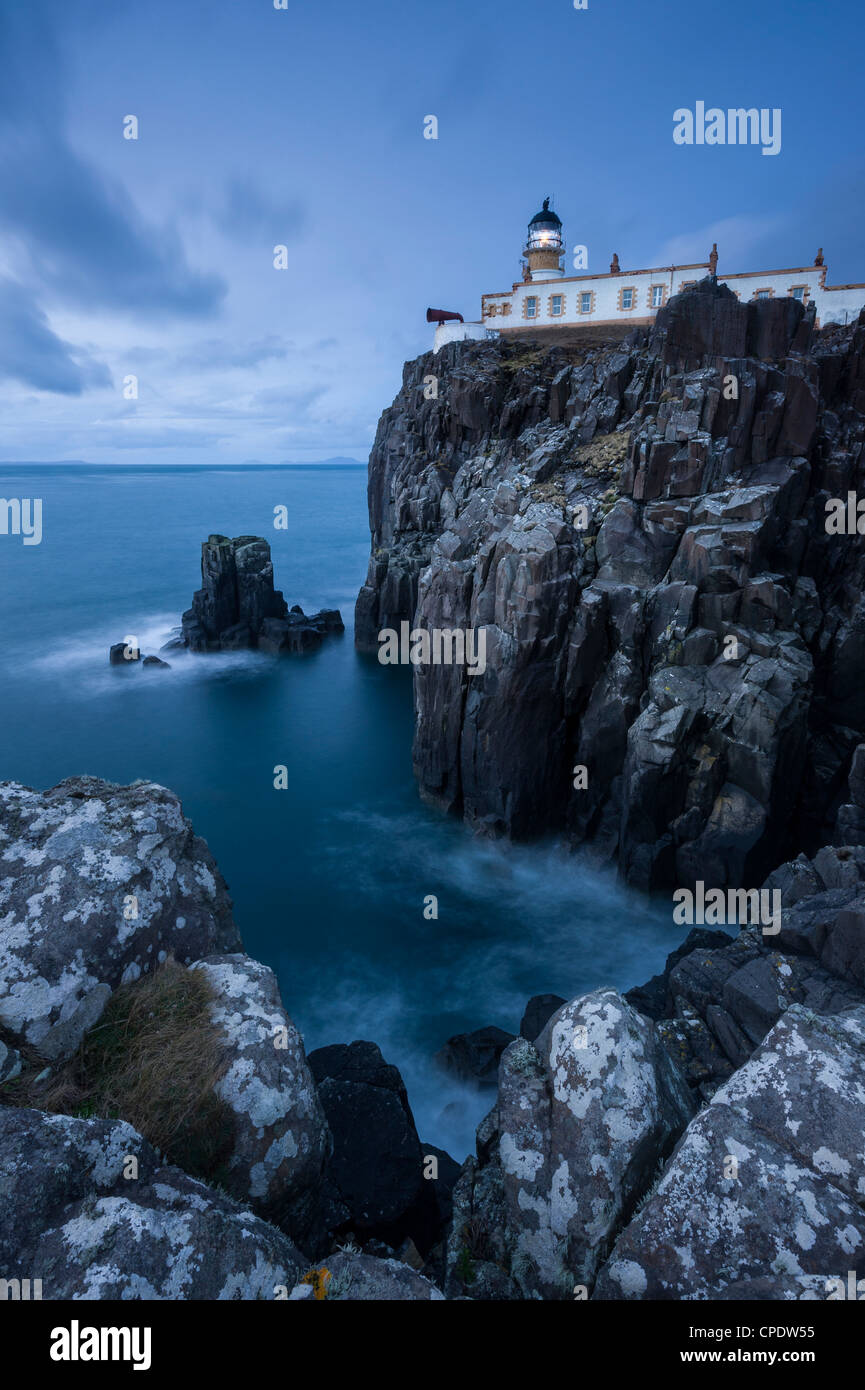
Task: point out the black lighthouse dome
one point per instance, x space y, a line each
546 217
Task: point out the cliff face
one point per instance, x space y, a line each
641 531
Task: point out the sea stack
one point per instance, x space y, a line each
237 606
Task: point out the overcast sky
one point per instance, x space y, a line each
304 127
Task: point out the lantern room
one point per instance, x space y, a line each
544 245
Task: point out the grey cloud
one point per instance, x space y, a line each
214 353
295 402
84 236
248 212
155 439
32 353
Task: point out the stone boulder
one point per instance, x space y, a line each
538 1012
584 1118
374 1184
98 884
652 998
823 909
88 1207
352 1277
850 820
236 592
281 1140
767 1182
477 1247
447 1176
722 1001
772 327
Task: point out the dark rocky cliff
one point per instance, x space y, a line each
695 638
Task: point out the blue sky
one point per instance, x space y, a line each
305 127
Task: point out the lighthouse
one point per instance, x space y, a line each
544 246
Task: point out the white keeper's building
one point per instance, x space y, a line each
547 298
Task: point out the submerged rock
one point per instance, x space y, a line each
237 606
122 653
474 1056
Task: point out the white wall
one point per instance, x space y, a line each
841 305
456 332
606 291
832 305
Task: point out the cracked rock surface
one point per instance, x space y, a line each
70 1216
98 884
639 531
281 1139
768 1181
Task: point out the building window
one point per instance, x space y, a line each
799 292
656 296
763 294
587 301
687 285
627 297
531 306
557 305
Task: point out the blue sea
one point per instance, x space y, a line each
328 877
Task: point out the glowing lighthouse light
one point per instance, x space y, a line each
544 245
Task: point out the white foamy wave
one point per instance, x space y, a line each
85 649
85 654
513 921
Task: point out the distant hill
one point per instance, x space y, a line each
15 464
